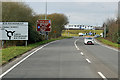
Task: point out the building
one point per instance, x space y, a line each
79 27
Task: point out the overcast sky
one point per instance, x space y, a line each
87 13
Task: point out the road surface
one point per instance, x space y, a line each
61 59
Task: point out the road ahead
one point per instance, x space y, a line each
61 59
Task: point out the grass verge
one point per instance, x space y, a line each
10 53
109 43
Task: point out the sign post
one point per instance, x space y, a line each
55 33
2 43
14 31
26 43
44 26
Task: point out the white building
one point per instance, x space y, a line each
78 26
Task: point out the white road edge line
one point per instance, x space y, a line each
106 46
76 45
102 75
88 60
3 74
82 53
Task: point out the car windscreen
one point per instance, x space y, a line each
89 38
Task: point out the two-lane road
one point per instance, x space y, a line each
103 59
61 59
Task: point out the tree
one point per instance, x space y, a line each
112 30
57 23
20 12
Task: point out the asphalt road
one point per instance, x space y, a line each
103 59
61 59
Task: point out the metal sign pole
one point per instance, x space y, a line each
2 43
47 35
26 43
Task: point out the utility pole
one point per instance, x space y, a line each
68 27
94 30
46 10
68 31
104 30
95 27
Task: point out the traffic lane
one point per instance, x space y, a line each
40 62
57 60
73 65
106 56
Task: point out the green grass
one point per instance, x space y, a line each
13 52
75 32
107 42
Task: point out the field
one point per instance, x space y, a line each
75 32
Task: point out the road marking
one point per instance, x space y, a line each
107 46
76 45
78 49
88 60
23 60
82 53
102 75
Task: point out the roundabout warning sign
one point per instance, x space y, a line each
13 30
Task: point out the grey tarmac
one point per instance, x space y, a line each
61 59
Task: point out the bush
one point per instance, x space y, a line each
20 12
33 35
112 30
118 40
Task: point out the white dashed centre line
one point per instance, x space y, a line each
102 76
88 60
82 53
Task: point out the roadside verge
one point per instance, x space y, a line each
18 59
11 53
108 44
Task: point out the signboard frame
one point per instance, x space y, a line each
14 30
